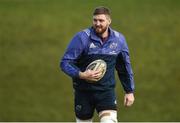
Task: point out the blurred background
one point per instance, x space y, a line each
34 35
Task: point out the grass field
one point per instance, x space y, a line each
35 33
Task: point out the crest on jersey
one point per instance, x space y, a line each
113 45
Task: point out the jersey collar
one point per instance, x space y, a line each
94 36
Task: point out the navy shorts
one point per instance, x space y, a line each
87 101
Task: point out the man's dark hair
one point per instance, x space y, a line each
101 10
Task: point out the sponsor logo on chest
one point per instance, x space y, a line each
92 45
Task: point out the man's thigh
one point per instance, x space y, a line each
83 106
105 100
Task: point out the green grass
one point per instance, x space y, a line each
34 35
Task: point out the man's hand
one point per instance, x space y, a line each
128 99
90 75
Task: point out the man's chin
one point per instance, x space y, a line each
99 31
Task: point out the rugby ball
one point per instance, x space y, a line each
98 65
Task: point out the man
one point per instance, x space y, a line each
98 42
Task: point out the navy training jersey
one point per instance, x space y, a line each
85 47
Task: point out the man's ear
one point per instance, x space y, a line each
110 21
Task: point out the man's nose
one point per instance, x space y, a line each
97 23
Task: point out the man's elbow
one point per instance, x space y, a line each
61 65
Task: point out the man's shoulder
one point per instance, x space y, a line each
118 34
84 33
82 36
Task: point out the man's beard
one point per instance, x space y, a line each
99 29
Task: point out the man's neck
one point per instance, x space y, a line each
105 35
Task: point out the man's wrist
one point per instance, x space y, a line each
81 75
129 92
